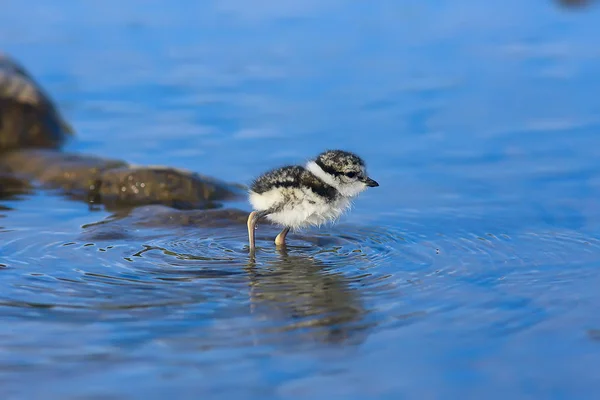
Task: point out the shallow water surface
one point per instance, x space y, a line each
471 272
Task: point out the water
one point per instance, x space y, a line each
471 272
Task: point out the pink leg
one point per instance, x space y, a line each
280 239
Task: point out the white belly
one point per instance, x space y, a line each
298 208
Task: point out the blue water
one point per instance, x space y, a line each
471 272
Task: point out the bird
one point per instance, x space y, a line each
295 196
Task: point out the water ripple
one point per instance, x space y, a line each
328 285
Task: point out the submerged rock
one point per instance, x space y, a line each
126 222
159 216
156 216
114 183
162 185
53 169
11 186
28 117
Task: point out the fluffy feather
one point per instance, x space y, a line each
297 197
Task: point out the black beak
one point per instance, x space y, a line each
370 182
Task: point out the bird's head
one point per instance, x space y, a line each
343 170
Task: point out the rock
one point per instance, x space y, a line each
114 183
11 186
28 118
53 169
162 185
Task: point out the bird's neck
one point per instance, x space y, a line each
346 190
322 175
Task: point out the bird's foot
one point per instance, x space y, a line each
280 239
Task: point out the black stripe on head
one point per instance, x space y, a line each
327 168
339 162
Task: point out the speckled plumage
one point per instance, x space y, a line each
295 196
293 176
338 162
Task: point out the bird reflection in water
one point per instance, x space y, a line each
310 300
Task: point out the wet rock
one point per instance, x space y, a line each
162 185
116 184
12 186
53 169
28 117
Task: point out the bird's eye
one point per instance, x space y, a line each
350 174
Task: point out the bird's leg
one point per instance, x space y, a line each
252 220
280 239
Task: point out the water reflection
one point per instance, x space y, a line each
313 294
307 296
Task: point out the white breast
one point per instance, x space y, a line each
298 207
